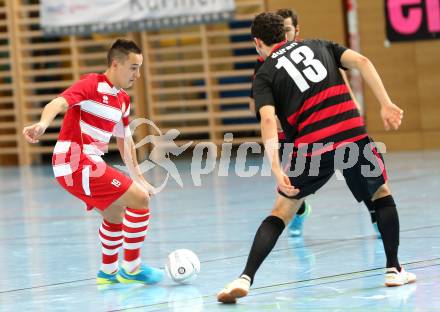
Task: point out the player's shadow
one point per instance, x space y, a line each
184 298
303 254
178 297
399 297
129 295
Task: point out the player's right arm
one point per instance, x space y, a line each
79 91
257 66
391 114
50 111
269 135
350 90
265 107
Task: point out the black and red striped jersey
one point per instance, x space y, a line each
302 81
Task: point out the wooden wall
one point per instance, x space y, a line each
35 69
10 140
317 19
197 78
410 70
411 74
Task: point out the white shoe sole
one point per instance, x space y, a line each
232 296
399 284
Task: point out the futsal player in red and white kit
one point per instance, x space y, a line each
97 107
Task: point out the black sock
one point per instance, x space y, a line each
388 224
264 241
301 209
371 210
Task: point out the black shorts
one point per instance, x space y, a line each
364 172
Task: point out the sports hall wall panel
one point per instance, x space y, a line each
317 19
410 70
42 68
10 137
197 77
411 73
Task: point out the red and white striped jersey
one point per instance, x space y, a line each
97 110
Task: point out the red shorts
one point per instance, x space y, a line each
98 185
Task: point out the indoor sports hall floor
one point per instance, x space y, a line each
49 250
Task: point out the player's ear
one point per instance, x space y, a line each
114 63
257 42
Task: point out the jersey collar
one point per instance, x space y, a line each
108 87
278 46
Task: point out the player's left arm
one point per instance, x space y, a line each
391 114
127 149
125 143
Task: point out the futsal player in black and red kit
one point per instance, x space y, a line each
292 30
300 83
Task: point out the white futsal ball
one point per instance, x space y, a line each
182 265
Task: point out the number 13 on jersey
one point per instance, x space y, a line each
314 71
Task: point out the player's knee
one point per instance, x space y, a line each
283 213
382 191
113 214
115 218
285 209
136 198
142 200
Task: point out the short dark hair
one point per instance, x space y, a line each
120 50
286 13
268 27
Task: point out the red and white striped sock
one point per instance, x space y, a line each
110 235
134 230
